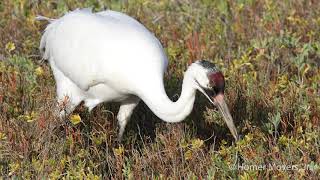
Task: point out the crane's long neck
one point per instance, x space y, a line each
169 111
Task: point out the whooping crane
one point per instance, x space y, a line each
109 56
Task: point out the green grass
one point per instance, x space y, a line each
268 50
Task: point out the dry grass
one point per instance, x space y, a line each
269 51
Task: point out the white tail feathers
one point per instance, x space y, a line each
44 43
42 18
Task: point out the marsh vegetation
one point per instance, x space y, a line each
268 50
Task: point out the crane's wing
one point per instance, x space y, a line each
105 47
120 17
129 20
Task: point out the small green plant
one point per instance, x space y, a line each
268 50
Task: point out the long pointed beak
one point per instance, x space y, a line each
223 108
218 101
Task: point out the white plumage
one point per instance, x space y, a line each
109 56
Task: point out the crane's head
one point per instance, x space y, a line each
210 81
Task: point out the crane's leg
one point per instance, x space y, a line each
124 114
69 95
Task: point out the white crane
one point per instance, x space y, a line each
109 56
